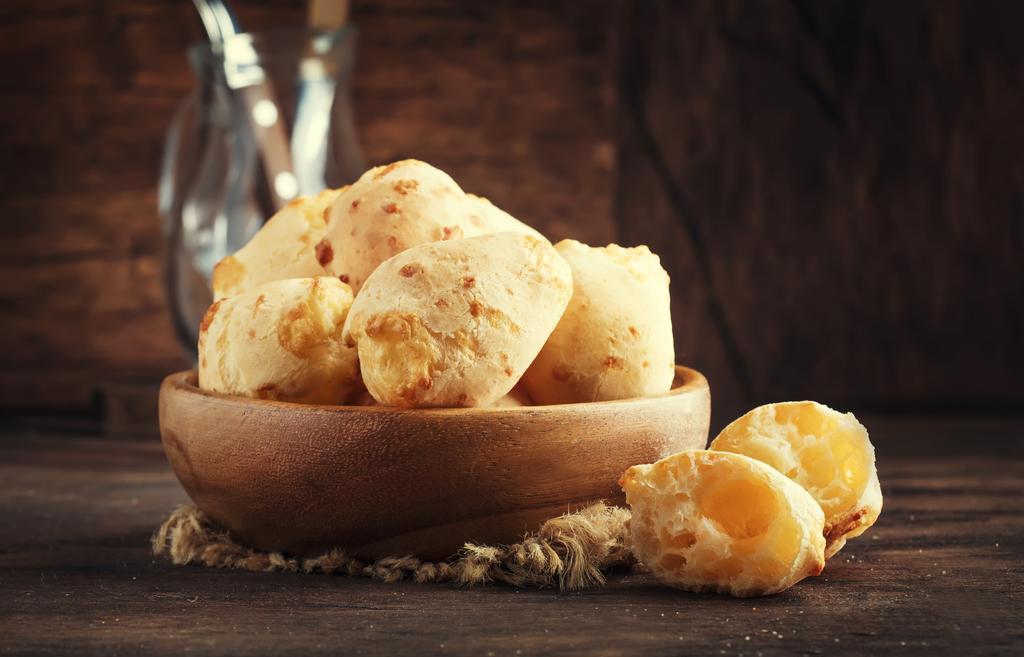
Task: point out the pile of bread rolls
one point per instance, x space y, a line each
403 290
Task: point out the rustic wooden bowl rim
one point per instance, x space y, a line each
686 380
304 478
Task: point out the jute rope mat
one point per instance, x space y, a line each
570 552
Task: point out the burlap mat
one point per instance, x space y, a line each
571 552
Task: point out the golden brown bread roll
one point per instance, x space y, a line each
280 340
827 452
390 209
615 339
285 247
456 323
717 522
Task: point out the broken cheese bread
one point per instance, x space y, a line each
456 323
390 209
280 340
615 339
708 521
287 246
825 451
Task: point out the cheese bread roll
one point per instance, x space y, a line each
287 246
615 339
280 340
456 323
390 209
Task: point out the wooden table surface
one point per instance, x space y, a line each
941 573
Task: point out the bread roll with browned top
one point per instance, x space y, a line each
456 323
287 246
390 209
615 339
280 340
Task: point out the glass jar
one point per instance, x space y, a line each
270 119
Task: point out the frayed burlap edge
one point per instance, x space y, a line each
571 552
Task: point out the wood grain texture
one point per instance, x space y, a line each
382 481
834 186
838 188
513 100
938 575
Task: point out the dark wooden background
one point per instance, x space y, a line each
837 188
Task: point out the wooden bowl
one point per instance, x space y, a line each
383 481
